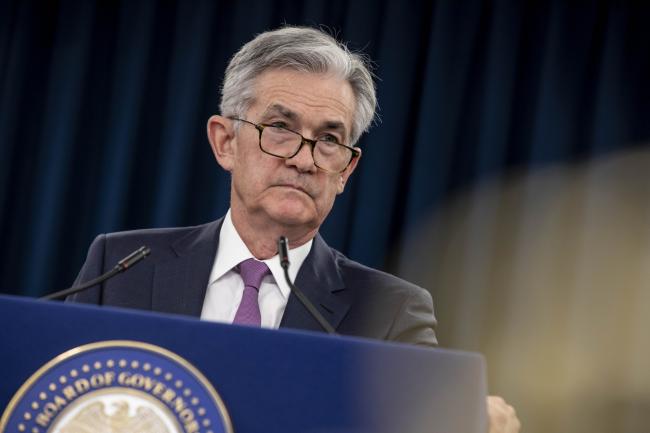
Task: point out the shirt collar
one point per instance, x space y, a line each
232 251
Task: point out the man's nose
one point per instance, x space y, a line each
303 160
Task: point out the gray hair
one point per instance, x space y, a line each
302 49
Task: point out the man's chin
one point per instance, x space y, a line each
293 219
292 214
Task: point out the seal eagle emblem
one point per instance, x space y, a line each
116 387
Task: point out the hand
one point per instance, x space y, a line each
502 416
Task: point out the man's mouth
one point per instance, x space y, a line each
295 187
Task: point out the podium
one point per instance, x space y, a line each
269 380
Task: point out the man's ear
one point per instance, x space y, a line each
221 135
348 172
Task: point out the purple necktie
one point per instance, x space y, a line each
252 272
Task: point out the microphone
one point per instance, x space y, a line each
283 253
124 264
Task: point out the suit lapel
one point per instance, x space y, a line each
180 282
320 280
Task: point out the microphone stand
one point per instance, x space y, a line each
121 266
283 252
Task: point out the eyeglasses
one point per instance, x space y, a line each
328 154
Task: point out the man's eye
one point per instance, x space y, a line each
278 124
329 138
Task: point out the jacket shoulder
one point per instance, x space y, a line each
167 234
401 310
353 271
165 244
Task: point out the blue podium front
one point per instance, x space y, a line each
268 380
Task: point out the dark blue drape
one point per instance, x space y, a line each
508 173
103 108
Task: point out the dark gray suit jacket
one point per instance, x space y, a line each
355 299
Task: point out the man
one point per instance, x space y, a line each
294 103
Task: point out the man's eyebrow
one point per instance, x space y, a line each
287 113
334 124
279 109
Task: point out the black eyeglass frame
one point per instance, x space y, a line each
260 128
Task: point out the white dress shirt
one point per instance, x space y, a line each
225 286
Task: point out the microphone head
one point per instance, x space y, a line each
133 258
283 251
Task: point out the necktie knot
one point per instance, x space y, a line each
253 272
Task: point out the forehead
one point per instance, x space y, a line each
310 98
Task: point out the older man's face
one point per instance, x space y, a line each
292 192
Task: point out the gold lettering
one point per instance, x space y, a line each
109 377
186 415
137 381
50 409
81 385
69 392
59 401
123 377
148 383
192 427
179 404
96 380
168 395
42 420
160 387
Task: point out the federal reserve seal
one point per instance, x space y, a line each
116 387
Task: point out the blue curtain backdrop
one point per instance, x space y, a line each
103 107
477 182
